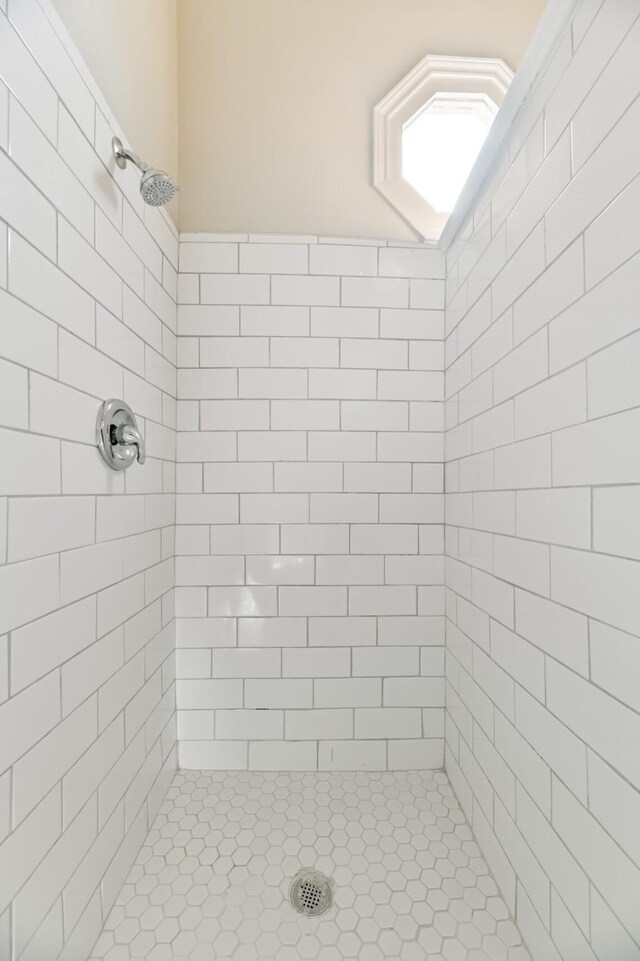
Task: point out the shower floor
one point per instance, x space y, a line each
211 882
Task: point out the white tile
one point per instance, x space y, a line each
234 414
524 366
343 508
394 722
40 526
243 539
382 600
275 259
578 331
276 382
88 269
342 445
221 289
599 180
597 452
237 478
37 771
114 249
305 415
279 570
88 167
282 756
559 516
412 324
248 725
308 477
612 384
304 352
555 290
207 258
314 539
557 402
560 632
272 632
24 207
278 693
31 464
386 662
376 292
411 262
548 183
346 259
272 445
242 602
310 291
374 415
316 663
614 657
27 717
598 855
38 159
276 321
377 354
334 723
26 79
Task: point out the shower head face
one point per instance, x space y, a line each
157 188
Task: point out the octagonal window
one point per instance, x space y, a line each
428 132
441 143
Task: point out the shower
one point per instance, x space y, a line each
156 186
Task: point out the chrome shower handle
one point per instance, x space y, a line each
130 436
119 441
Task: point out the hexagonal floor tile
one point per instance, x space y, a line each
212 878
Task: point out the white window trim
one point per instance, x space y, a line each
431 76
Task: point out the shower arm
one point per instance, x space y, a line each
122 154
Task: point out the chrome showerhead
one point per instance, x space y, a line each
157 188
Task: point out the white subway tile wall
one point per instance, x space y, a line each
309 538
543 501
87 690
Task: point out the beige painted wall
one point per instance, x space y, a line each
263 107
275 102
131 48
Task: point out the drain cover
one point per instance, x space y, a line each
311 893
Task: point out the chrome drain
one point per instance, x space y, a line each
311 893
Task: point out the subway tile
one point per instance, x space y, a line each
314 539
557 288
304 352
276 321
315 663
305 415
81 262
597 452
308 477
377 292
242 602
611 378
578 331
411 262
597 854
205 258
234 352
307 291
343 259
559 516
343 321
392 722
222 289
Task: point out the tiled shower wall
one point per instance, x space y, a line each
87 311
543 503
309 535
